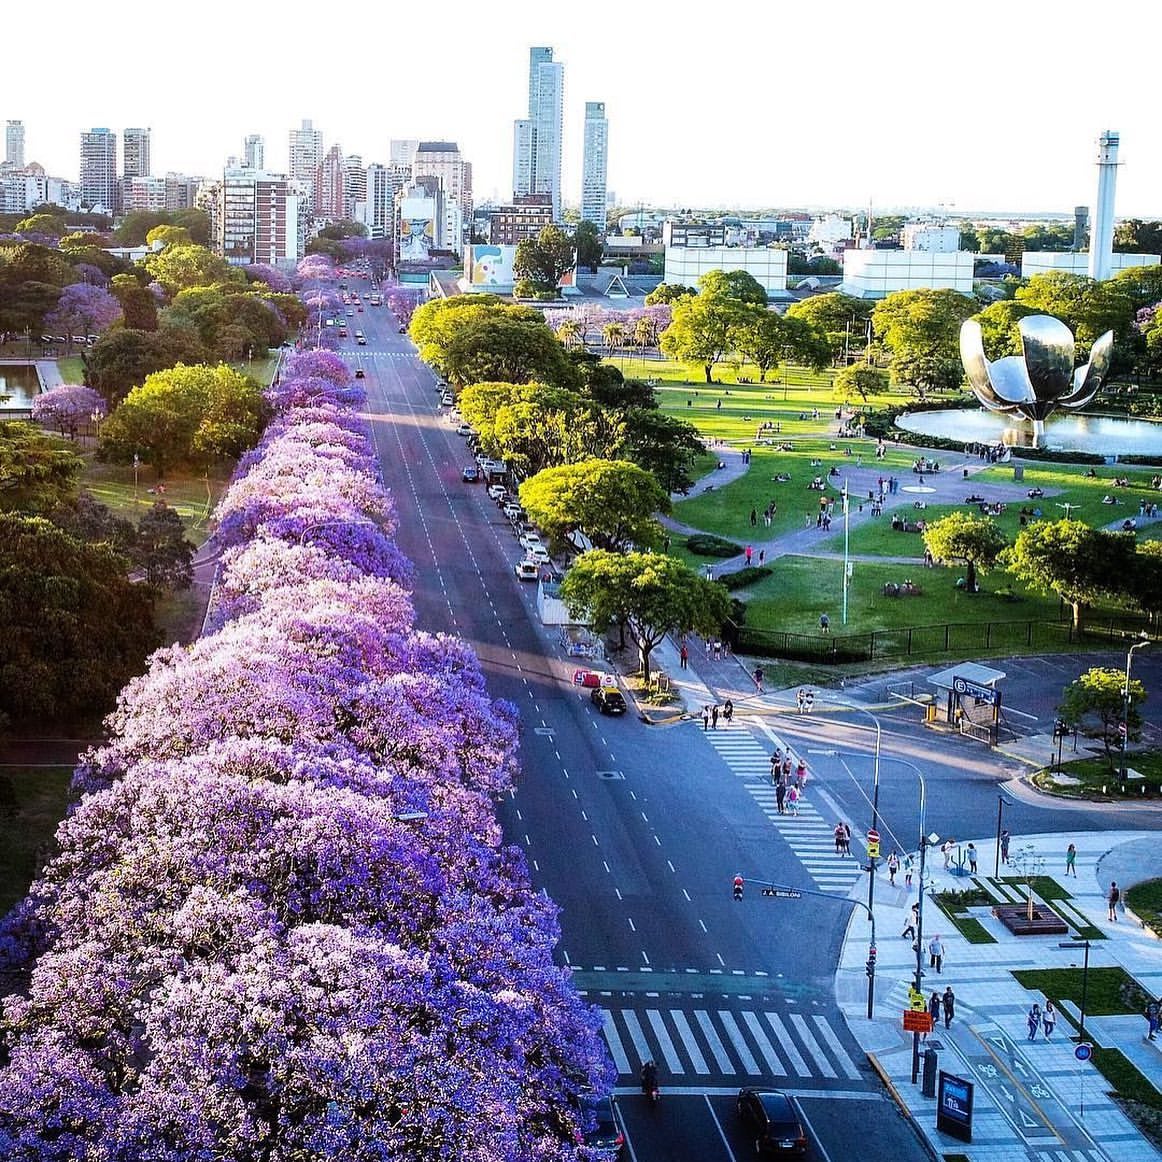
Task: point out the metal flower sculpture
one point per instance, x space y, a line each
1036 383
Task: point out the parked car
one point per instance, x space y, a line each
361 340
539 554
464 430
531 541
527 570
471 474
608 700
497 491
773 1122
512 509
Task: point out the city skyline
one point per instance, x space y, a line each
902 111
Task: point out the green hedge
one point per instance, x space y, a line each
744 577
708 545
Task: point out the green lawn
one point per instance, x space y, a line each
1109 991
1099 781
71 368
803 587
32 804
191 495
1145 900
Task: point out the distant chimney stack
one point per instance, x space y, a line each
1101 236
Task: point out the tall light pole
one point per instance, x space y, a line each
1125 728
846 559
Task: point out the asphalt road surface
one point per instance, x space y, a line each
636 833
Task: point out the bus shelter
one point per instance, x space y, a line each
971 702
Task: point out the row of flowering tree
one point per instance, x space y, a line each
282 923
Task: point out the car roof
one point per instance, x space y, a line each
776 1105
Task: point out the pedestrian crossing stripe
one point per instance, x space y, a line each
748 1043
808 834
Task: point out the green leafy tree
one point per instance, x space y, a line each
590 246
1143 284
507 348
179 267
435 323
663 445
1088 307
669 292
38 472
860 381
48 224
1145 580
703 331
1067 557
169 236
161 550
649 594
133 228
733 284
122 359
185 415
841 318
137 302
921 329
544 259
611 502
1099 696
75 628
974 541
998 327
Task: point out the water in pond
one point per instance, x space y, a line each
1101 435
19 383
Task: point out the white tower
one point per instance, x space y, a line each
1101 234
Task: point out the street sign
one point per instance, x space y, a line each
1084 1051
974 690
873 849
783 893
916 1021
916 1000
954 1106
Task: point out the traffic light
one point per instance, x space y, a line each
738 882
871 961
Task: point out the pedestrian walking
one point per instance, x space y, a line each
1114 898
714 716
893 867
717 649
728 711
1071 861
909 931
1153 1013
754 517
1033 1020
776 765
793 795
847 839
684 656
949 1000
970 851
809 701
705 717
1049 1019
936 954
934 1008
801 698
781 797
824 623
839 839
1005 846
763 552
749 554
787 767
758 678
946 851
909 867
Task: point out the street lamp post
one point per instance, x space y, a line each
846 558
1125 728
1080 942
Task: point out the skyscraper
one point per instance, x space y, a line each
14 144
306 155
403 150
595 165
329 184
253 151
135 152
536 165
354 184
99 169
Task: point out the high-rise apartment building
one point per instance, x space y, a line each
536 165
354 184
143 193
14 144
442 160
256 218
595 166
99 169
306 156
135 153
403 150
181 191
254 151
329 184
376 209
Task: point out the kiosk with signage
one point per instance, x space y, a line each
954 1107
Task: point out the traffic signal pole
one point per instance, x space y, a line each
785 891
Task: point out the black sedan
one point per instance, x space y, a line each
773 1122
607 700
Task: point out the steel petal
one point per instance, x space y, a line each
1048 346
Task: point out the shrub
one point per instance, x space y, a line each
708 545
744 577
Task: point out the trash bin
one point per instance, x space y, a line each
1018 471
928 1081
966 474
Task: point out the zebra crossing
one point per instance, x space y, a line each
746 1044
1094 1155
809 834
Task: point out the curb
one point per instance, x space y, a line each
890 1086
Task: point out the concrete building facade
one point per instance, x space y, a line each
14 144
135 152
257 218
99 169
767 265
527 215
254 151
306 156
537 138
875 274
595 165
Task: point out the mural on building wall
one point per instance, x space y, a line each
492 265
416 236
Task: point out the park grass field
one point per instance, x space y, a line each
32 805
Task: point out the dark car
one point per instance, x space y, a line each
359 373
471 474
606 1138
773 1123
608 700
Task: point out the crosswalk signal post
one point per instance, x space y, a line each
738 884
871 962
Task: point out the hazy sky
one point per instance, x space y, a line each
992 105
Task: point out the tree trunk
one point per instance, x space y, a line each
971 575
707 368
644 653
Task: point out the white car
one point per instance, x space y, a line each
496 491
527 570
539 554
464 430
512 508
530 541
447 400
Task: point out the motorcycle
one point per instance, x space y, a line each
650 1082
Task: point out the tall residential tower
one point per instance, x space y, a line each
99 169
14 144
254 151
595 167
536 166
306 156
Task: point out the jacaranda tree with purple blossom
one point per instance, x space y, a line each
282 924
68 408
